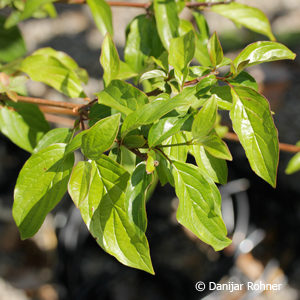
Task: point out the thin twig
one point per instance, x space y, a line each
282 146
58 110
146 5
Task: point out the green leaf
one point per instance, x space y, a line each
66 60
244 79
250 17
176 152
213 167
293 165
51 71
12 45
167 20
98 112
102 15
181 53
205 119
163 170
153 74
156 109
113 208
100 137
150 162
164 128
223 96
215 50
134 141
125 71
54 136
75 142
142 41
201 53
23 124
216 147
109 60
30 7
122 96
199 207
261 52
253 123
41 184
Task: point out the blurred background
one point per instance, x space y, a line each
64 262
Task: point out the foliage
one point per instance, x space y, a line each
142 131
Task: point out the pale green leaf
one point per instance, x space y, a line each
293 165
54 136
213 167
109 201
164 128
199 207
205 119
153 74
122 96
142 41
23 124
253 123
109 60
261 52
41 184
167 20
102 15
100 137
49 70
176 152
250 17
215 50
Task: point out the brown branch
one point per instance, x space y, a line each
58 110
146 5
282 146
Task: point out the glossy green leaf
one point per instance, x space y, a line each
176 152
223 96
142 41
250 17
12 44
122 96
163 170
201 53
66 60
164 128
253 123
244 79
199 207
41 184
109 60
205 119
102 15
54 136
112 206
216 147
23 124
293 165
153 74
100 137
156 109
76 142
261 52
215 50
181 52
167 20
51 71
213 167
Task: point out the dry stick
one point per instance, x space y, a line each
282 146
58 110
